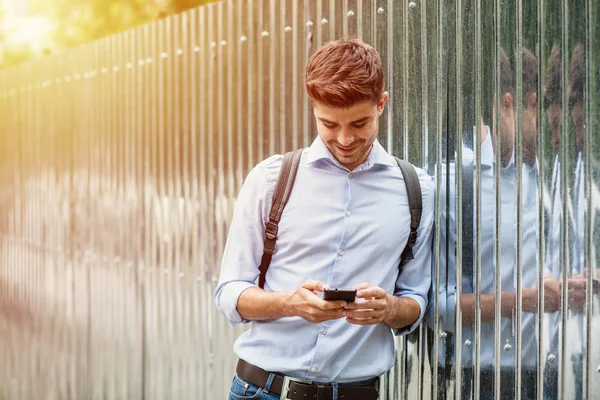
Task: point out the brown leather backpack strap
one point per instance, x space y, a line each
415 203
285 183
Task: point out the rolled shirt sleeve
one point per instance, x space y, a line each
414 280
243 251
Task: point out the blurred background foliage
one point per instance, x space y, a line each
33 28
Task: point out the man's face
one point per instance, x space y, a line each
529 129
554 114
578 112
349 133
506 127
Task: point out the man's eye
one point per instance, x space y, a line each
360 125
328 126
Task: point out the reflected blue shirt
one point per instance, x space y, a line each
342 228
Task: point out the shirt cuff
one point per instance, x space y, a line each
413 326
228 299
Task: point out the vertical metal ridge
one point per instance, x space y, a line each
497 168
404 67
587 153
541 187
519 173
440 85
477 264
459 202
564 157
203 275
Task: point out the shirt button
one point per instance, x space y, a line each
324 332
313 369
350 175
341 253
348 213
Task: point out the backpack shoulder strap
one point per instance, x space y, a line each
415 203
285 183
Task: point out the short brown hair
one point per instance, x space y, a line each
344 73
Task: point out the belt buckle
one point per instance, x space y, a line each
286 385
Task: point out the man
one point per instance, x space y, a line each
345 225
507 181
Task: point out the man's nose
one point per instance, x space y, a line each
345 138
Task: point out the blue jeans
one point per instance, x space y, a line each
242 390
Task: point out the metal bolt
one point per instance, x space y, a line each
129 65
115 69
163 54
243 38
324 21
287 29
443 334
179 52
507 347
223 42
350 13
214 279
196 49
148 60
598 369
67 78
468 343
265 34
412 4
309 24
213 44
198 279
551 358
141 62
380 10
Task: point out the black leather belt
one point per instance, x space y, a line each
296 389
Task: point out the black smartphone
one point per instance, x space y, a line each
348 295
595 284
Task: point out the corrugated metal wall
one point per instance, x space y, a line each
120 162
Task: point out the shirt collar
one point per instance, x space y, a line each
318 151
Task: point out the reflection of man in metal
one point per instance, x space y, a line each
506 124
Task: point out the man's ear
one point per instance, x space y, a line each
382 101
532 100
507 100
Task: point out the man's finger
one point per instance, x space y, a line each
363 314
361 286
372 292
365 305
313 285
330 304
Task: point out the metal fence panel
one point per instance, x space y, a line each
120 163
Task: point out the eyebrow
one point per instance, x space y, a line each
358 121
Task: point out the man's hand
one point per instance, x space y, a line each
305 303
375 308
552 294
577 290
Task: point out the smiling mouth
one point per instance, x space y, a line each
346 150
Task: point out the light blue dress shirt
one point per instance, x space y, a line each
342 228
508 270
